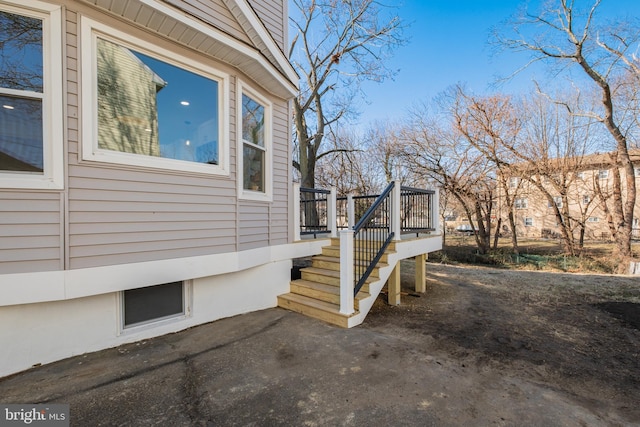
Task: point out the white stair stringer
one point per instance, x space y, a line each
403 250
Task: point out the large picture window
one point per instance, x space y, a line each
152 109
30 81
255 130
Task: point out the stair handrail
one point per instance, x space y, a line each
370 240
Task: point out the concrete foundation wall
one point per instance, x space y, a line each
44 332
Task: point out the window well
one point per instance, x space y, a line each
152 303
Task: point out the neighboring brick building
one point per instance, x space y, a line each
534 213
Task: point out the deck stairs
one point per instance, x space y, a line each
317 293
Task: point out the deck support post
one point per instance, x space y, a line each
393 286
295 205
435 211
421 273
332 213
351 212
395 211
346 272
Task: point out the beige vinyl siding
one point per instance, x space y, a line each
119 216
253 229
30 232
215 12
281 174
270 13
71 40
113 214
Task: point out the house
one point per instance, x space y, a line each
582 181
145 179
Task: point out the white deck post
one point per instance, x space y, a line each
332 212
395 211
295 206
346 272
351 212
435 211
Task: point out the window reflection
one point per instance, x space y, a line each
20 52
149 107
21 77
253 152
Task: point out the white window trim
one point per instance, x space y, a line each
52 177
89 31
187 308
525 222
267 195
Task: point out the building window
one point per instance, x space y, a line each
528 222
586 199
580 175
151 107
521 203
255 131
603 174
31 149
513 182
154 303
593 219
557 200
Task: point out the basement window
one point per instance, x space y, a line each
154 303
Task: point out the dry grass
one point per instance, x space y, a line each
535 254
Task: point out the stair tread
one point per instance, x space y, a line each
312 302
332 273
337 248
327 258
322 271
335 290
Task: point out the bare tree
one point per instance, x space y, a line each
337 44
552 149
562 34
491 125
461 170
20 36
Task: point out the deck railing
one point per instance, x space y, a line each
416 210
314 211
368 224
371 237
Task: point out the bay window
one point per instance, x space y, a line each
151 108
255 131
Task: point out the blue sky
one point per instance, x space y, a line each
449 44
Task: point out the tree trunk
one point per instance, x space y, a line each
514 236
497 234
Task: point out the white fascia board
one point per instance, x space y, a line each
28 288
289 84
266 38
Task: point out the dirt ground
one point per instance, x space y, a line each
574 334
482 347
